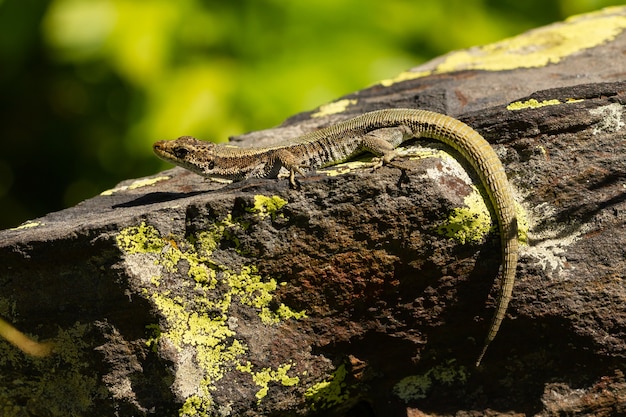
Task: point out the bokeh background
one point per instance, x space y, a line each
86 86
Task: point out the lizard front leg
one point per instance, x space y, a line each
285 158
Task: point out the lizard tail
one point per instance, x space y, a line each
481 156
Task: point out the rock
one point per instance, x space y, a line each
360 293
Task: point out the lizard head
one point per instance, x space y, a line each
189 153
222 163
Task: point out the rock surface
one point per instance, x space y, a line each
360 293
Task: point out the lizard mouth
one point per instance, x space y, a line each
161 149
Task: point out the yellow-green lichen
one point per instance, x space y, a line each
135 185
170 256
254 291
333 108
543 46
327 394
207 241
153 341
196 309
195 406
202 274
536 48
210 337
416 387
140 239
263 377
282 313
470 223
534 104
267 206
27 225
345 167
405 76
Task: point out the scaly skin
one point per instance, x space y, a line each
378 132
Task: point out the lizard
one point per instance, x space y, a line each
379 132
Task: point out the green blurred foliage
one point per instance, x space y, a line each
86 86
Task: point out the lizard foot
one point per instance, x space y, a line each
377 163
386 159
293 182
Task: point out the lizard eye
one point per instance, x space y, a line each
211 165
180 153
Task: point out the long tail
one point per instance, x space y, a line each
485 161
479 153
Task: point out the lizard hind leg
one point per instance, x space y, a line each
383 144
